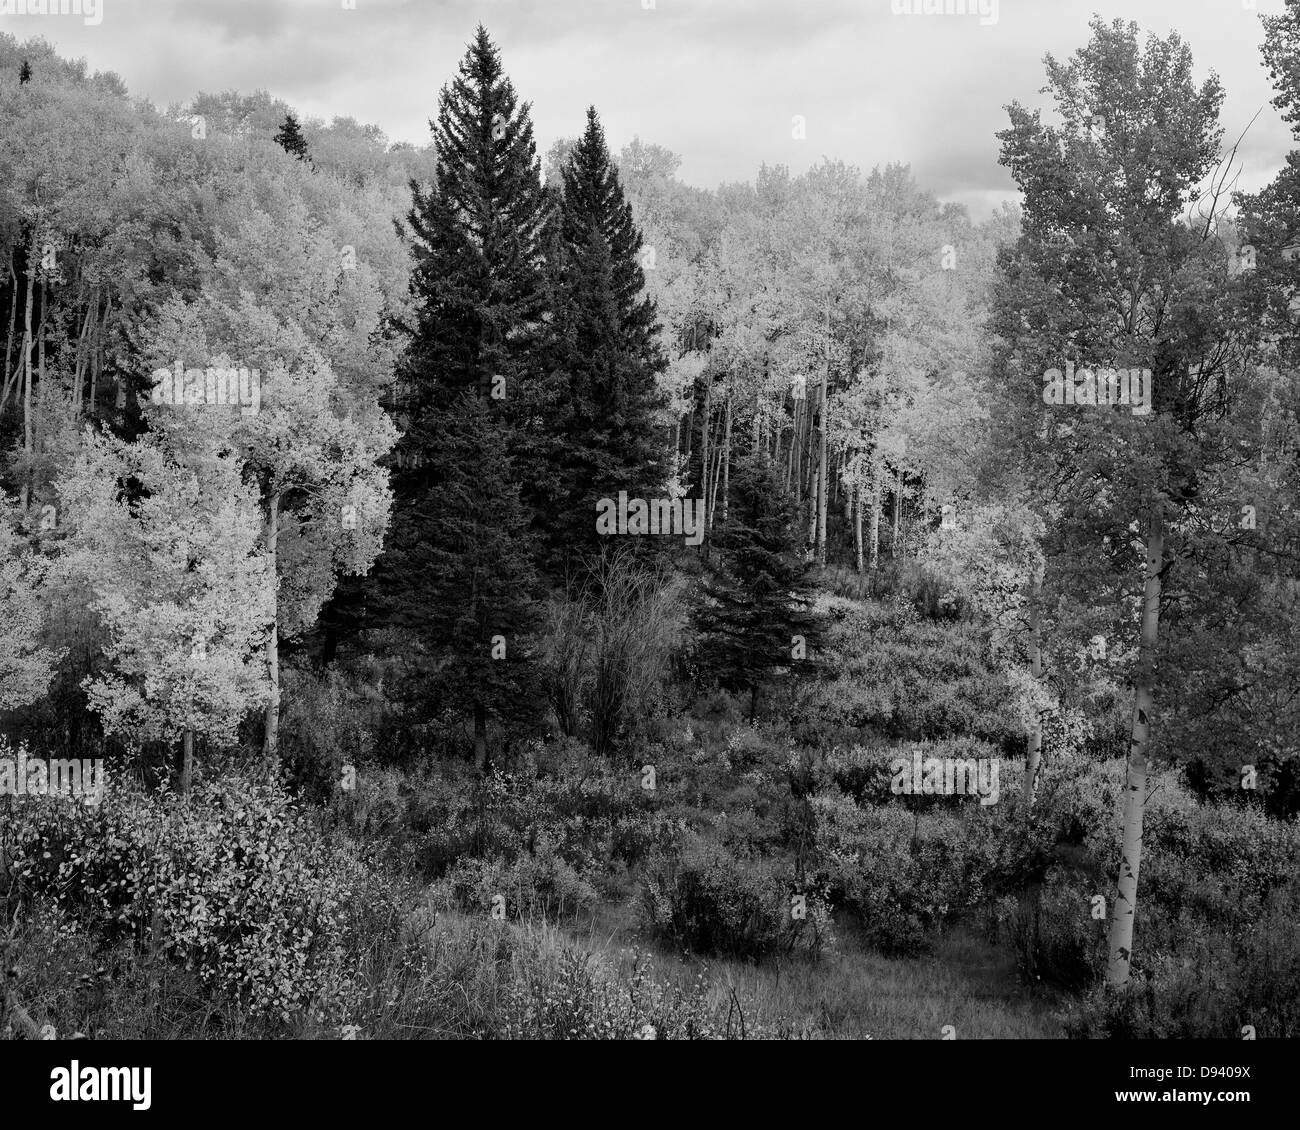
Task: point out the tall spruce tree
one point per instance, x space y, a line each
458 571
477 238
605 353
758 616
458 576
291 140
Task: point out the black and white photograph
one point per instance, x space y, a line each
649 521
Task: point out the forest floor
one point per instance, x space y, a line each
850 992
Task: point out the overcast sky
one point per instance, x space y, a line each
717 81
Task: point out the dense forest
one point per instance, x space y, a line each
464 592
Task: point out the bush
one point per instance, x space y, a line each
902 873
903 679
532 886
1215 984
236 884
711 903
489 980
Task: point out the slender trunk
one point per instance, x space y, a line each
1033 755
792 455
97 357
823 486
726 460
874 560
1121 923
898 507
82 350
857 525
13 321
480 738
187 765
40 336
704 437
715 475
272 731
814 493
27 369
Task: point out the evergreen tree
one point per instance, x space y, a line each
458 578
605 352
458 570
477 282
291 140
758 617
24 73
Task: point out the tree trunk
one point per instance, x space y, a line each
13 321
823 484
480 738
1033 755
79 368
272 733
874 560
704 439
814 496
187 765
857 524
898 507
27 370
726 460
40 336
789 451
1121 923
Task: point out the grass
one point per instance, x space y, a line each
851 993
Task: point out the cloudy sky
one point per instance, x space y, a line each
717 81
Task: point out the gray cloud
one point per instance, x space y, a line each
718 81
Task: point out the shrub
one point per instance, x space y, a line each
236 884
907 679
712 903
541 885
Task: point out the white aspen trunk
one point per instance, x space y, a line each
704 438
27 369
187 764
814 494
857 524
1033 755
82 353
823 483
272 733
726 459
790 480
898 507
874 559
1121 923
13 321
